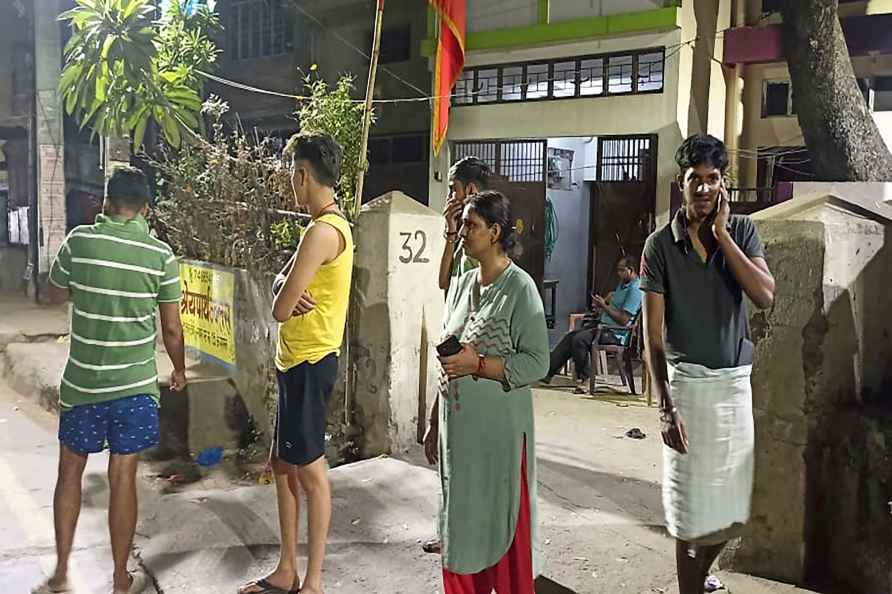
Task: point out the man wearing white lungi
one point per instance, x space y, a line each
695 272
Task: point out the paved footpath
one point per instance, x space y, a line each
600 513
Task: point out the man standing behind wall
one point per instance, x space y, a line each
467 177
117 277
695 272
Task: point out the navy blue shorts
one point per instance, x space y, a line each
127 426
304 391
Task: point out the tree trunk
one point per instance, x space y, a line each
840 132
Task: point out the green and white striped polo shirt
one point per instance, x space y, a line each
117 274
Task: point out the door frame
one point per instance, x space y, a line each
650 178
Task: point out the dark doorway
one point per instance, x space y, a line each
623 204
519 172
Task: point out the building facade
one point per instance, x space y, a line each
33 139
274 44
579 107
764 125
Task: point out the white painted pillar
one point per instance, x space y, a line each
397 308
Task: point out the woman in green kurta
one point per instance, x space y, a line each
485 423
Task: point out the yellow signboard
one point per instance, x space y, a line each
206 311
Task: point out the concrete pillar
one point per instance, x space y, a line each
733 85
397 312
50 165
821 393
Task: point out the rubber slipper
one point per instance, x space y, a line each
267 588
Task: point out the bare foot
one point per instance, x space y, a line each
286 580
55 584
133 583
309 590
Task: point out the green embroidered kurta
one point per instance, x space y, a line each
483 423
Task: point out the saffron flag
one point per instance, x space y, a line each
450 61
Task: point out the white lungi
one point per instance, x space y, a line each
710 488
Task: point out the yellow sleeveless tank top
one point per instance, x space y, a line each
313 336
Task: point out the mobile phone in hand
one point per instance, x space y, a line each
449 347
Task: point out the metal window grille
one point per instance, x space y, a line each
619 74
591 77
517 160
565 75
537 81
626 159
650 72
258 28
586 76
487 87
512 83
463 92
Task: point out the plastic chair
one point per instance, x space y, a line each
623 354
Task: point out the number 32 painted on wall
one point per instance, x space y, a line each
410 255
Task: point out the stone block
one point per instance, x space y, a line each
398 309
821 394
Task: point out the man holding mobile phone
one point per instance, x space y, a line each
695 272
617 309
467 177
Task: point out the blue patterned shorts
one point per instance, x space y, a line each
126 426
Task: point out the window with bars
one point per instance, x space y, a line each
626 159
517 160
586 76
258 28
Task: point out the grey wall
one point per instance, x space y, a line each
569 261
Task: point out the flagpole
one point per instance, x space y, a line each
367 114
350 378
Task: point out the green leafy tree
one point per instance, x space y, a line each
124 70
332 110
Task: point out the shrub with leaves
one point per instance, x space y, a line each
124 70
332 110
225 200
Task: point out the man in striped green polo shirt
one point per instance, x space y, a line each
117 278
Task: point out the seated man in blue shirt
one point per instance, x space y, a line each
617 309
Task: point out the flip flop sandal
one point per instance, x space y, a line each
432 546
44 588
268 588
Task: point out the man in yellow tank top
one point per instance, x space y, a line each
312 295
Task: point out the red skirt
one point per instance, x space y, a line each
513 573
